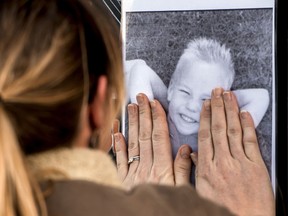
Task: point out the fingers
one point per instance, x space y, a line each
250 142
121 156
162 152
231 135
182 165
240 144
116 126
218 125
234 130
115 129
194 157
205 146
133 147
149 138
145 132
147 122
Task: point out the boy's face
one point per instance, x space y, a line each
187 95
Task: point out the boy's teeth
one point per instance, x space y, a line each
186 118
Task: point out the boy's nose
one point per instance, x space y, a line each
193 105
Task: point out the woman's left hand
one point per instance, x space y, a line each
149 158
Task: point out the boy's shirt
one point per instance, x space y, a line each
178 139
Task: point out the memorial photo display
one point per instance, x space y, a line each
178 51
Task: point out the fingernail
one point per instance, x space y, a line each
116 143
244 114
227 96
185 152
207 105
193 156
153 104
117 137
131 109
140 98
116 126
217 92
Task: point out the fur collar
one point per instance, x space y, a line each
75 163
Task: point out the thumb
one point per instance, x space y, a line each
182 165
194 157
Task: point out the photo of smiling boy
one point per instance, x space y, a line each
204 65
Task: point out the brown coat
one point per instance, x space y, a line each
104 195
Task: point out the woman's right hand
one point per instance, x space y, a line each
230 170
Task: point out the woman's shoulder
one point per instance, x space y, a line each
80 197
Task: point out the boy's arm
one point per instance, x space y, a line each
140 78
255 101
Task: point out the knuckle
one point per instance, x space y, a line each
155 115
159 135
248 128
132 145
205 114
133 122
250 138
233 131
249 142
247 123
145 136
204 134
143 110
218 103
219 143
217 128
182 169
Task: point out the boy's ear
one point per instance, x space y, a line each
170 90
97 107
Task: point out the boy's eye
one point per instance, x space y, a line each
184 91
203 99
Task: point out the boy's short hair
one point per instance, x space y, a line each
206 50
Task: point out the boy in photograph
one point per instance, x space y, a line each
204 65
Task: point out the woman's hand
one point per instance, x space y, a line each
230 169
149 139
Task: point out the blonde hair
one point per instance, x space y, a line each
205 50
52 54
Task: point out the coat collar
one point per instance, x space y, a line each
75 163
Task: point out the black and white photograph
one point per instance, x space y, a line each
178 55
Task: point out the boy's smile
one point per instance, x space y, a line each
187 119
193 87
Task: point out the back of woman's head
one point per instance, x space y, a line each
51 55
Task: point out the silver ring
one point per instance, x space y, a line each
134 158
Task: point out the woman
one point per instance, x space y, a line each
60 73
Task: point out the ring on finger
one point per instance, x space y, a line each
134 158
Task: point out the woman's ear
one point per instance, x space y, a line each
97 107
